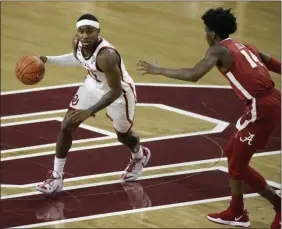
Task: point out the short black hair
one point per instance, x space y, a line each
88 17
221 21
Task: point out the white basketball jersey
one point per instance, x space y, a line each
97 75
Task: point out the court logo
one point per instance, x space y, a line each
249 139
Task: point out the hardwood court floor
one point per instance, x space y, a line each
185 125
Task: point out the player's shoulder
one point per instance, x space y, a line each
217 50
108 56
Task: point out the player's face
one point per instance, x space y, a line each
88 35
210 36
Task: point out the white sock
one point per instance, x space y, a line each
138 155
59 164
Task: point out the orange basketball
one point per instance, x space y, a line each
30 70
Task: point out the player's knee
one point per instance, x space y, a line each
127 137
67 126
236 172
122 137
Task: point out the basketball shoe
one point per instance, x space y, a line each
53 183
227 217
135 166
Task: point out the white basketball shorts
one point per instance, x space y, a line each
121 111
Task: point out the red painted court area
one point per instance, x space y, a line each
39 133
213 102
115 197
216 103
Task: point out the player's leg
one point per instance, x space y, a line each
122 114
140 155
243 149
227 216
247 141
54 182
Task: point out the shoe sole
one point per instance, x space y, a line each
133 178
232 223
58 189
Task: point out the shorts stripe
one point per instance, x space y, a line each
126 106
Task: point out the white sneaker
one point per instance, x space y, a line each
51 184
135 167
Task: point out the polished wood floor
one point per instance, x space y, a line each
171 32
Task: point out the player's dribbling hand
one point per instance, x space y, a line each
79 116
43 58
147 68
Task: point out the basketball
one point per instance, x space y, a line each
30 70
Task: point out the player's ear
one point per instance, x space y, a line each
99 30
213 35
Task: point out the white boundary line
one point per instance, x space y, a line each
145 169
110 135
134 210
137 84
33 114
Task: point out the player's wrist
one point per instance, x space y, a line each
159 71
91 111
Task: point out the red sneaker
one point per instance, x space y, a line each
229 218
276 224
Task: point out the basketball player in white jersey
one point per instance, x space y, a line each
107 85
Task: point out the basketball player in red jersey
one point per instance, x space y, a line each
107 86
246 69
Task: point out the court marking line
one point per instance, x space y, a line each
60 119
145 169
109 135
221 125
136 84
221 168
33 114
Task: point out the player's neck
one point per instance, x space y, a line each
217 41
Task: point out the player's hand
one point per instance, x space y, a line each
79 116
147 68
43 58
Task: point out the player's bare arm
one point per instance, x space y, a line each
187 74
108 61
271 63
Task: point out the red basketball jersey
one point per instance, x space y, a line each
248 76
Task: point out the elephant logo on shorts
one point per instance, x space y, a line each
249 139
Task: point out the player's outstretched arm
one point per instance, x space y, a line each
271 63
108 61
186 74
